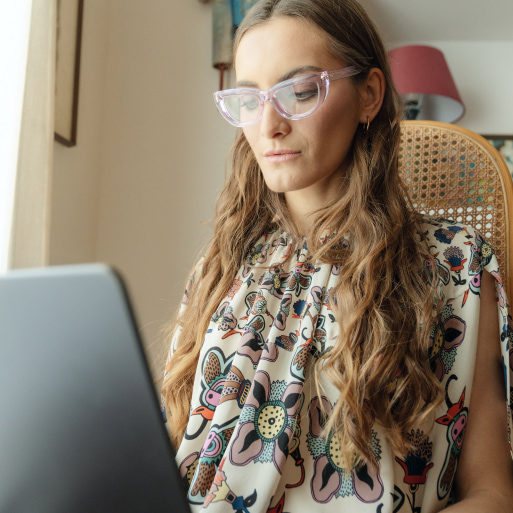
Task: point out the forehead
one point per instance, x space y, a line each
275 47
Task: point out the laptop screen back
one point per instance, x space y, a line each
80 428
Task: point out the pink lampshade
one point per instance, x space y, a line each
423 70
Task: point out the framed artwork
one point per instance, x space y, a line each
69 36
504 145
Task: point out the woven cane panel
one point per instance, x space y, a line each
450 175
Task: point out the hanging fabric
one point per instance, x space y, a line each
227 15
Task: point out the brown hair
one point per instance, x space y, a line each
379 362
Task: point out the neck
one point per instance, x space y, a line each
303 204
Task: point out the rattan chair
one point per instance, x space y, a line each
454 173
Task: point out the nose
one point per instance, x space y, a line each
272 123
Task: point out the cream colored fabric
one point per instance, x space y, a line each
254 441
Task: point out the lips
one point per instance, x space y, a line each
281 155
271 153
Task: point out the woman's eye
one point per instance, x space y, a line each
249 103
304 95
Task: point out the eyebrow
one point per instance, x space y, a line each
290 74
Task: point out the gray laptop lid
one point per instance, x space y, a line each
80 427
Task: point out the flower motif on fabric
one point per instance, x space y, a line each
455 259
446 235
445 337
280 241
330 480
416 464
301 251
215 367
484 250
319 297
300 309
279 507
220 491
235 287
267 422
281 317
481 254
435 267
456 421
256 304
335 269
249 280
210 457
275 281
300 359
252 343
257 255
295 450
300 279
236 387
287 342
224 317
188 468
319 336
270 351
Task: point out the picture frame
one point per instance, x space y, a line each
67 74
504 145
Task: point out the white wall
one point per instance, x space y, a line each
76 173
151 146
151 149
164 148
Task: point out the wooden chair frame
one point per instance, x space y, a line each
454 173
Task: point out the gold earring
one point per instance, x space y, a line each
366 127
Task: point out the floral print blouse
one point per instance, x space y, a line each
254 441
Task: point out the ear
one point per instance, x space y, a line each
372 92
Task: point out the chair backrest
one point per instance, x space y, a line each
454 173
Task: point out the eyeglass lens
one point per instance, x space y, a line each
292 100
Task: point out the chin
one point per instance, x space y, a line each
282 189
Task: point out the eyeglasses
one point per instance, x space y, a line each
296 98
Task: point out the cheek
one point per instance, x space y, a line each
333 141
251 135
336 127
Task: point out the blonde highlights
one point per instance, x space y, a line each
383 301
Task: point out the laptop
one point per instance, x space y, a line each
80 424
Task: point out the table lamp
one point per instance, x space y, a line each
424 81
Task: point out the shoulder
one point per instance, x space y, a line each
460 253
447 232
192 280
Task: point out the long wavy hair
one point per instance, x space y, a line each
384 298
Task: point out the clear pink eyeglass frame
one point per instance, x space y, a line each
322 79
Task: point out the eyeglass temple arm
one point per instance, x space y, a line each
343 73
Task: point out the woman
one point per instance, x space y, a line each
325 358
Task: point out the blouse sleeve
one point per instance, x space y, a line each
462 254
175 336
506 334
